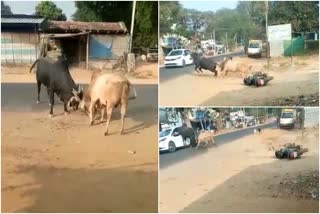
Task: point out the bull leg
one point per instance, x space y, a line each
103 111
123 115
109 115
39 88
197 145
51 93
65 103
91 111
48 92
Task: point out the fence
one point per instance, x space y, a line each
299 46
19 48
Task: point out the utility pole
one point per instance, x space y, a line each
132 24
227 41
268 44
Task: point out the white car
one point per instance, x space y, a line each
255 48
170 140
178 57
287 119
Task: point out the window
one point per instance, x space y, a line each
165 133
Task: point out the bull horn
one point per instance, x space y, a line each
74 92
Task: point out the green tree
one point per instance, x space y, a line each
169 15
50 11
5 9
146 17
146 24
303 15
104 11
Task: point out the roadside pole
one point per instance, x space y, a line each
132 24
268 45
291 49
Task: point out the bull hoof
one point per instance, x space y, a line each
91 123
50 115
122 133
66 113
106 133
38 102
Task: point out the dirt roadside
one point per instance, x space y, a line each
241 176
144 74
64 165
204 89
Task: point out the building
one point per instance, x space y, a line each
311 117
20 38
93 44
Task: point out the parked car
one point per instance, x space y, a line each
178 57
170 140
255 48
152 55
287 118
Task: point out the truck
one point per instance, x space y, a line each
255 48
287 118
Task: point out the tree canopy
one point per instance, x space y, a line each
146 17
246 21
5 9
50 11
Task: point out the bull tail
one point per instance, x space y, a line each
35 62
134 92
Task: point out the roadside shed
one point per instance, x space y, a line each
92 43
20 37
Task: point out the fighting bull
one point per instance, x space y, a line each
107 92
55 75
204 63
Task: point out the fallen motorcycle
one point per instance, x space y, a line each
290 151
258 79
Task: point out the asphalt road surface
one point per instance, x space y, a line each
173 72
22 97
167 159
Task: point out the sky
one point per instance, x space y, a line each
28 7
209 5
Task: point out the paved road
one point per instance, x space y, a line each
22 97
167 159
169 73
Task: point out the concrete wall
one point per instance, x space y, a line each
19 48
311 116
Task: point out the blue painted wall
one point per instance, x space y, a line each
99 49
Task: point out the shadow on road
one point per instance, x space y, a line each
256 189
82 190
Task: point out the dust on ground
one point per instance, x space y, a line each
302 100
144 74
244 176
146 71
301 79
62 164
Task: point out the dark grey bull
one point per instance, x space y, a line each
187 132
55 75
205 63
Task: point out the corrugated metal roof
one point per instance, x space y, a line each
21 19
